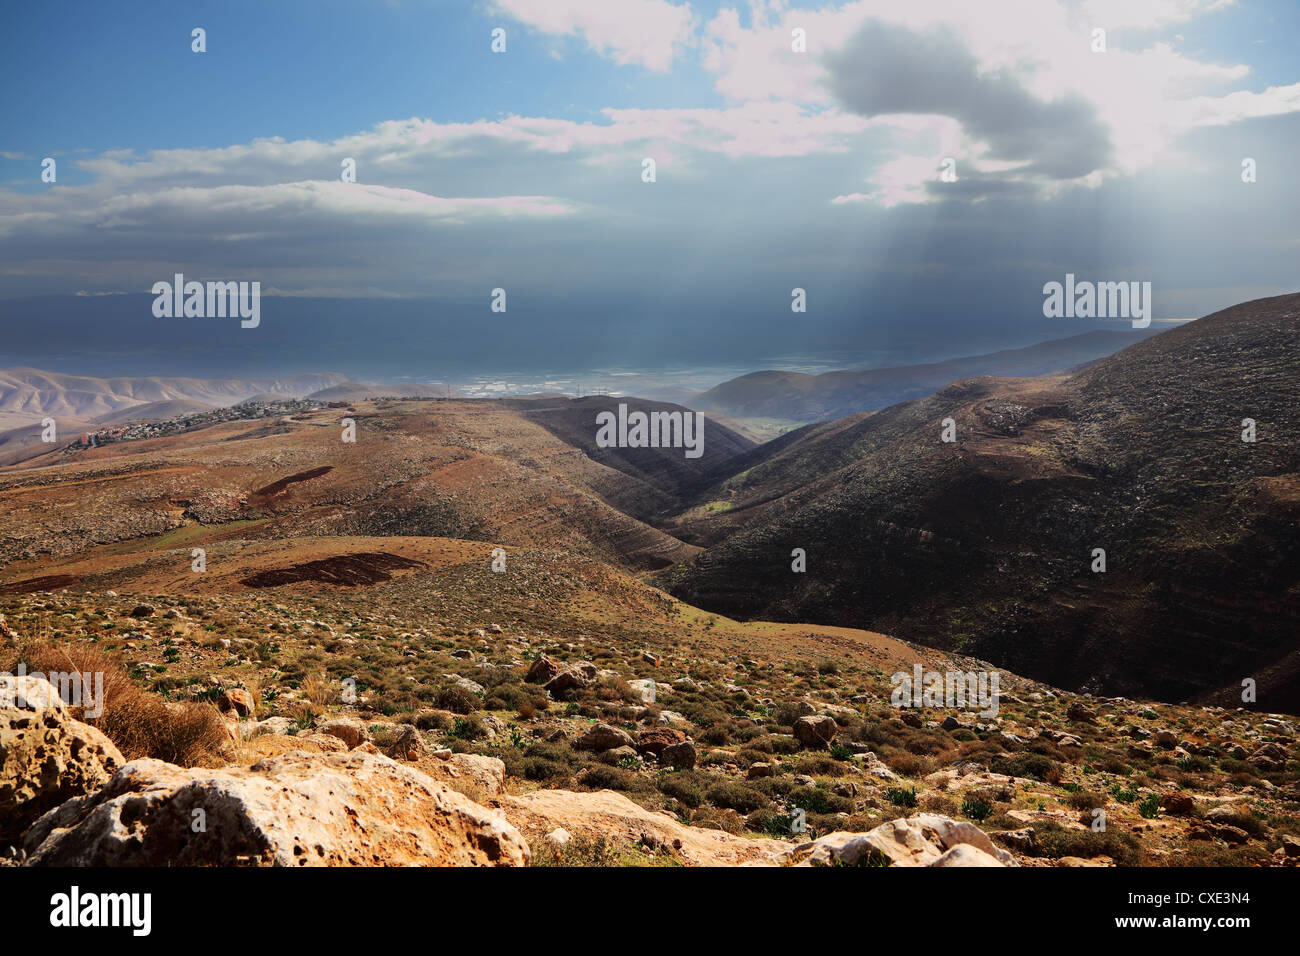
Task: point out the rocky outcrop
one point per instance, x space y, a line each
657 740
611 815
602 737
926 839
574 677
46 757
815 731
352 809
239 701
543 670
351 731
679 755
407 744
475 776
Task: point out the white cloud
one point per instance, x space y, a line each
648 33
1033 60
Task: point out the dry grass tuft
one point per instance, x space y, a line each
140 723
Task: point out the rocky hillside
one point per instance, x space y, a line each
462 469
986 544
589 720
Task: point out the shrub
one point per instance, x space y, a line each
1034 766
458 700
1150 807
433 720
1055 841
684 786
902 796
736 796
977 809
1086 800
819 800
467 728
602 777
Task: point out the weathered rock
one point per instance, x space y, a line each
611 815
921 840
238 700
1268 758
1023 840
1178 804
1080 714
46 757
407 744
477 776
679 755
326 742
260 728
647 690
602 737
572 678
543 670
874 766
347 729
464 683
816 730
963 854
295 810
656 740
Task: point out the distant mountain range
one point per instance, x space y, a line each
799 397
33 394
27 395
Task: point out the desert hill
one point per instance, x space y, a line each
986 544
660 477
471 470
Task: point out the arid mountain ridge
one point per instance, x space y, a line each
981 546
986 543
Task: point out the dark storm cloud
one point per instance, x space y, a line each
887 69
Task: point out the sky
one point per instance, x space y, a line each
796 145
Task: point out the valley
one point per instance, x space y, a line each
644 679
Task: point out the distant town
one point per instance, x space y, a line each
245 411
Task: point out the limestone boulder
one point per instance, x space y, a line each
299 809
46 756
926 839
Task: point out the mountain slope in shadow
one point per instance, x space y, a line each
987 544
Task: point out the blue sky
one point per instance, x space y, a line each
776 169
